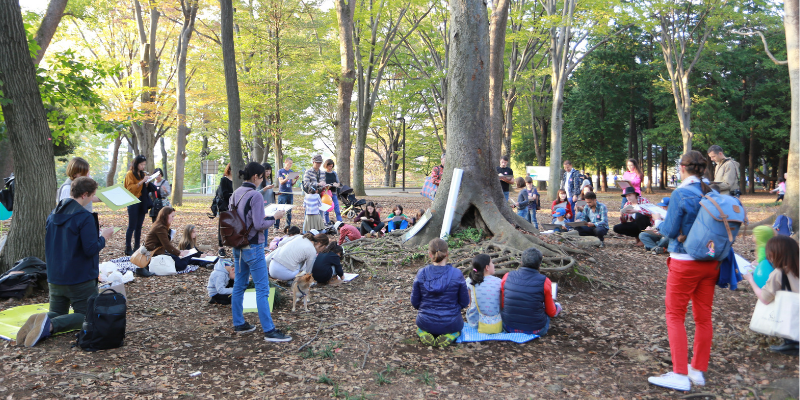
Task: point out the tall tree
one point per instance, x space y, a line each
52 17
30 138
189 10
498 21
232 89
346 80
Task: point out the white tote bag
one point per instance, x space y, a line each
779 318
163 265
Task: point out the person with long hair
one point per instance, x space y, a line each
687 279
266 187
76 168
782 251
163 190
484 289
328 264
158 241
634 175
439 293
370 220
332 180
249 259
136 183
225 191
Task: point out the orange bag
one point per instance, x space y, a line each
326 198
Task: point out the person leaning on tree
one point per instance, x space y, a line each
726 174
72 248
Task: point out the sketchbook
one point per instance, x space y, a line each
349 277
154 176
554 290
576 224
580 203
561 205
654 209
191 253
292 175
271 209
212 259
622 184
325 207
551 226
117 197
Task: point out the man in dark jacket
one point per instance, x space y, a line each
526 301
72 248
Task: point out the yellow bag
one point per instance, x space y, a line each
488 324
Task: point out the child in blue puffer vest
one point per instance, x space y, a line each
439 293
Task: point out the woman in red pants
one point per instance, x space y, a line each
688 279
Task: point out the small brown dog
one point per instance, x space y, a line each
301 289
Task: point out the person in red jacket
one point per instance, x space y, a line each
347 232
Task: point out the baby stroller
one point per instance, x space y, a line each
350 206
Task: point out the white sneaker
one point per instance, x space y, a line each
696 377
672 381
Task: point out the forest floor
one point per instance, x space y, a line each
609 339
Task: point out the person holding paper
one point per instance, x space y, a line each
726 174
224 192
633 175
395 219
370 220
595 214
249 260
653 240
484 290
562 201
332 180
347 232
633 218
72 248
76 168
527 200
285 196
163 190
220 284
526 300
571 184
136 183
312 204
506 176
158 242
296 256
266 186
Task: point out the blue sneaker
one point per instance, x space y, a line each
39 330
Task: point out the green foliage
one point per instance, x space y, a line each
325 380
427 379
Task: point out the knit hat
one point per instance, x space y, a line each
317 158
531 258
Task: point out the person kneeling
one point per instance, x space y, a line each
72 249
220 283
439 293
526 301
328 266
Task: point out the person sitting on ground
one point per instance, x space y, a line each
559 219
782 252
397 211
562 198
652 239
370 220
220 284
289 232
439 293
312 204
158 240
484 290
781 189
189 242
581 197
595 214
633 222
328 264
527 200
296 256
417 216
72 249
526 300
347 232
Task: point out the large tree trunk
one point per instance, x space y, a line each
29 134
791 23
145 131
497 49
52 17
346 81
164 157
232 90
556 123
649 189
112 169
189 15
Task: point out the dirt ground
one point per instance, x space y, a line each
360 339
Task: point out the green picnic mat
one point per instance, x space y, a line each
250 300
13 319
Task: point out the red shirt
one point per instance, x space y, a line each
568 207
349 232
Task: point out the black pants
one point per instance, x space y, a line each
136 214
220 299
366 227
598 232
633 228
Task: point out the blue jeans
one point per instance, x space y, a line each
336 210
505 194
652 240
529 214
285 199
250 261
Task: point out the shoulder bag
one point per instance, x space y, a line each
489 324
781 317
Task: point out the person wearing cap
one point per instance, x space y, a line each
559 218
595 215
652 239
314 177
347 232
633 222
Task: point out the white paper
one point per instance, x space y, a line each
325 207
206 258
745 267
154 176
192 251
654 209
349 277
118 196
554 290
271 209
249 300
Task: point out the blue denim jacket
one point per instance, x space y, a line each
684 205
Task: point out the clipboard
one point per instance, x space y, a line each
550 227
580 203
576 224
292 175
117 197
561 205
622 184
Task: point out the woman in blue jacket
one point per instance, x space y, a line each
439 293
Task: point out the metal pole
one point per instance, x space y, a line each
404 154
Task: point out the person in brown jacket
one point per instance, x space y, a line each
158 240
727 172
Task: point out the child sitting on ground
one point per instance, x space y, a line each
559 219
484 288
347 232
328 265
439 293
526 302
220 283
397 211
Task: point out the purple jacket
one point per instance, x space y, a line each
439 293
255 216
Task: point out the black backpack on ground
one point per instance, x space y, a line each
104 326
7 194
18 282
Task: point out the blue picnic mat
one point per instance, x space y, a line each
470 334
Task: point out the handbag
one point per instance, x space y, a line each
429 189
488 324
779 318
141 257
163 265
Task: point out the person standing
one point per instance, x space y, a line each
506 176
285 195
314 176
571 183
73 242
136 183
633 175
225 190
687 279
332 180
163 190
726 174
249 260
266 185
76 168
